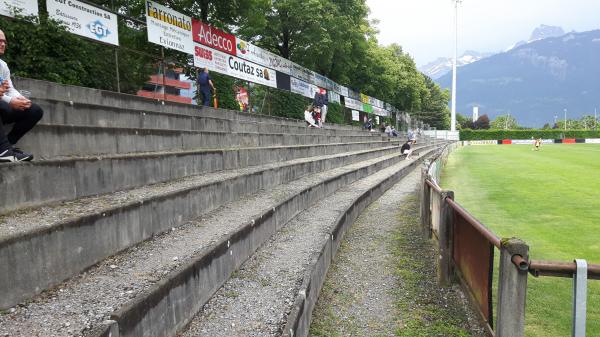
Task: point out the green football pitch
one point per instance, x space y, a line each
548 198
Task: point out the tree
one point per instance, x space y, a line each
483 122
504 122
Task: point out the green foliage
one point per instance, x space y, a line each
506 122
526 134
225 93
335 113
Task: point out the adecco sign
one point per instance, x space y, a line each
213 37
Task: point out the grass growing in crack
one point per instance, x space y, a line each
427 309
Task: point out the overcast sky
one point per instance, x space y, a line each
425 28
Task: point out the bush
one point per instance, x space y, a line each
526 134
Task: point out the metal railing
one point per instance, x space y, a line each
466 253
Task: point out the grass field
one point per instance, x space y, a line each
548 198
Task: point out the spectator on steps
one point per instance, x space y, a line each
405 149
14 109
308 117
204 85
320 101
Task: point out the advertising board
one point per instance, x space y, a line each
23 7
85 20
169 28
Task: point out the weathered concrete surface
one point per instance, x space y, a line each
40 182
50 141
171 304
298 321
61 92
81 114
36 260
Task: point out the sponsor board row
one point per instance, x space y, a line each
210 47
531 142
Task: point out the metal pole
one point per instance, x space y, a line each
453 114
579 298
595 119
565 119
117 70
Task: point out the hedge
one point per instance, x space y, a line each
526 134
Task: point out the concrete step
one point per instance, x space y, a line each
138 283
43 246
284 274
68 93
52 141
44 181
82 114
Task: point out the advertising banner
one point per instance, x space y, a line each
169 28
355 115
213 38
343 91
353 94
481 142
592 140
353 104
302 73
255 54
379 111
24 7
233 66
333 96
85 20
364 98
367 108
303 88
321 81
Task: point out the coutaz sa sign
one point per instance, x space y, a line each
213 37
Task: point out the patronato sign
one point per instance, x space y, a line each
23 7
85 20
213 37
169 28
255 54
233 66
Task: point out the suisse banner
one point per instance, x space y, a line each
25 7
213 38
169 28
233 66
85 20
255 54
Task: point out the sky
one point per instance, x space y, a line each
425 28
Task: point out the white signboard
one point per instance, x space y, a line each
333 96
592 140
302 73
233 66
355 115
24 7
255 54
85 20
379 111
169 28
343 91
353 103
303 88
320 81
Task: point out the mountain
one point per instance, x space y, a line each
534 81
443 65
541 32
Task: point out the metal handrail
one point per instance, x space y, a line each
434 186
560 269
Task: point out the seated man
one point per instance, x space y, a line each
14 108
405 149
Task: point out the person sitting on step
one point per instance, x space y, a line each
406 150
14 109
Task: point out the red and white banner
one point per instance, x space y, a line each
233 66
213 37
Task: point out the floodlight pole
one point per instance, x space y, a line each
453 113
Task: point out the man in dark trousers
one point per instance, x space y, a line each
204 85
320 100
14 109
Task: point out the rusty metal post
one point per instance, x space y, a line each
425 204
445 230
512 290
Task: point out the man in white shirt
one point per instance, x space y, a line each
14 109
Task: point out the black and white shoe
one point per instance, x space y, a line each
26 156
11 156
